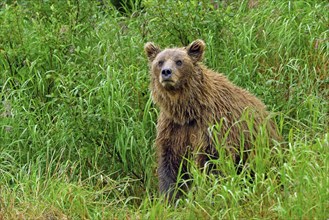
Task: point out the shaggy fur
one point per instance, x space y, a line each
191 100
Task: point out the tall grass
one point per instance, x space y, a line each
77 123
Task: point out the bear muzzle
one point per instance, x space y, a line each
167 78
166 74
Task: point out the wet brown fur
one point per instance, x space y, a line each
197 99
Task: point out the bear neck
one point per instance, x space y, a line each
186 104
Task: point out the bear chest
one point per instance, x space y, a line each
182 138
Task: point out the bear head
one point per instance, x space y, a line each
173 68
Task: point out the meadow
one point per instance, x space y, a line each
77 124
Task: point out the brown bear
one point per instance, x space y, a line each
191 99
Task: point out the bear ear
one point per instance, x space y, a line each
151 51
195 50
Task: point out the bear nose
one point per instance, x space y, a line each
166 73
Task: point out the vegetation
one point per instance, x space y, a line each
77 124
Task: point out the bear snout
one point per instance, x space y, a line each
166 73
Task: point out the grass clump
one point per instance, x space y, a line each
77 124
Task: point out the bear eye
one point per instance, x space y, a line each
160 63
179 62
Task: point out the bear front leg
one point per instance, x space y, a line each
167 175
174 179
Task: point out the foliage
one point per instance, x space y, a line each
77 123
